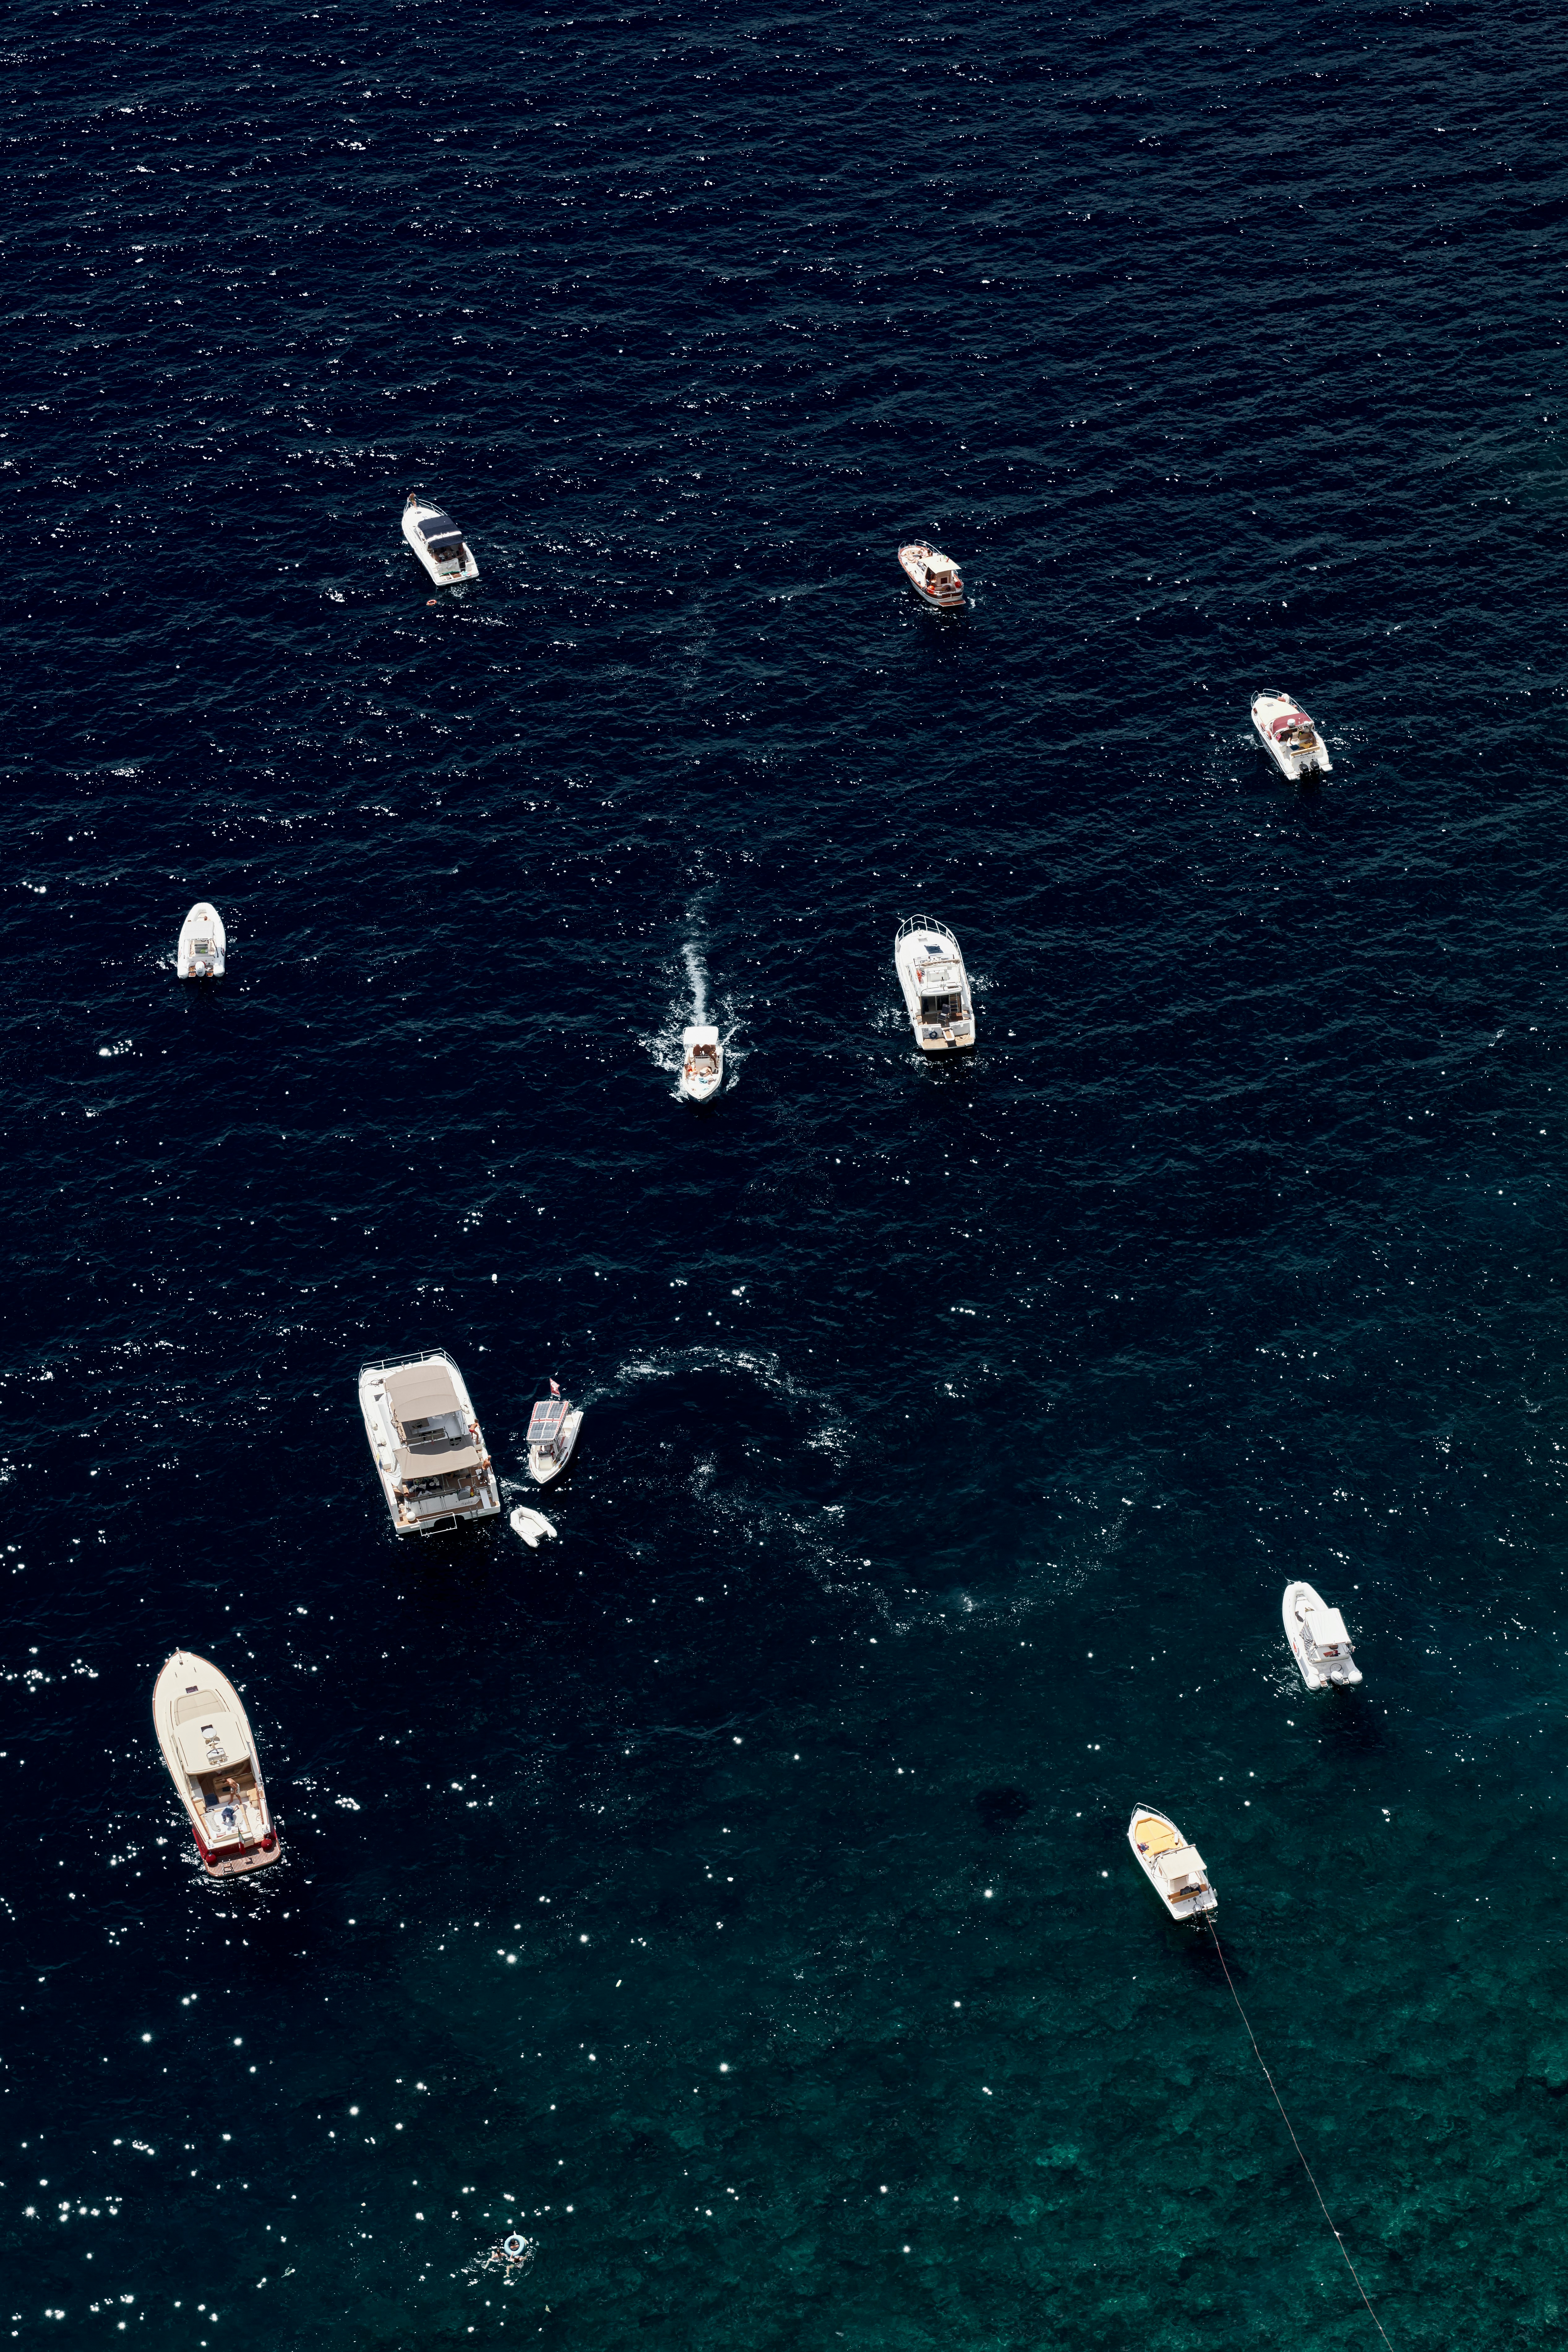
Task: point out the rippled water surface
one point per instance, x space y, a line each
734 1895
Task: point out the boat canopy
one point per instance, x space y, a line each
437 526
544 1421
1182 1866
942 974
1328 1629
422 1392
1291 719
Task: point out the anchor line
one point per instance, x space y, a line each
1294 2141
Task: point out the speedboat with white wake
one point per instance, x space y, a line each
932 576
429 1452
1289 738
936 987
204 944
1175 1870
553 1428
701 1063
1319 1638
210 1750
531 1526
437 543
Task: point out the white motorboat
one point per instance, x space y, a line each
1174 1869
204 944
701 1064
429 1453
210 1750
932 576
438 541
552 1429
531 1526
1289 738
1319 1638
935 985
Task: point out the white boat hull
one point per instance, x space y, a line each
210 1752
1318 1672
531 1526
932 576
420 1506
204 944
701 1064
1289 738
1153 1835
545 1463
447 573
918 948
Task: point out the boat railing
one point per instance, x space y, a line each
395 1363
919 923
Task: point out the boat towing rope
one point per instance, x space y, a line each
1291 2129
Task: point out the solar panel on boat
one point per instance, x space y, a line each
544 1424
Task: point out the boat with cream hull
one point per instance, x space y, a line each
1319 1640
428 1449
937 994
210 1750
204 944
1175 1870
932 575
553 1427
1289 738
438 541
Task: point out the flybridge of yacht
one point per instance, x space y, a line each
426 1441
438 530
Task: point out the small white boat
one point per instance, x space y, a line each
438 541
932 576
935 985
204 943
531 1526
210 1752
1174 1869
1289 738
552 1429
1319 1638
429 1454
701 1064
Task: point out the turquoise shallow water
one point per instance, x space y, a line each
735 1894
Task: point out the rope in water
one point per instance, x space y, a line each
1291 2129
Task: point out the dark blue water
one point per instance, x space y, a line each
735 1894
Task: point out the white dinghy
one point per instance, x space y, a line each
1320 1639
1174 1869
429 1453
552 1429
701 1064
531 1526
936 986
204 943
932 576
210 1752
438 541
1289 738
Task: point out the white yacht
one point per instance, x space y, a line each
1319 1638
932 576
552 1429
204 943
701 1064
210 1752
1174 1869
1289 738
437 543
935 985
428 1450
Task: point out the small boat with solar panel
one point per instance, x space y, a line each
701 1063
1319 1640
428 1449
204 944
936 987
210 1750
932 575
553 1428
1289 738
1175 1870
438 541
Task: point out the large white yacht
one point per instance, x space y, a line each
1320 1639
1175 1870
210 1752
204 943
429 1454
1289 738
932 575
438 541
935 985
